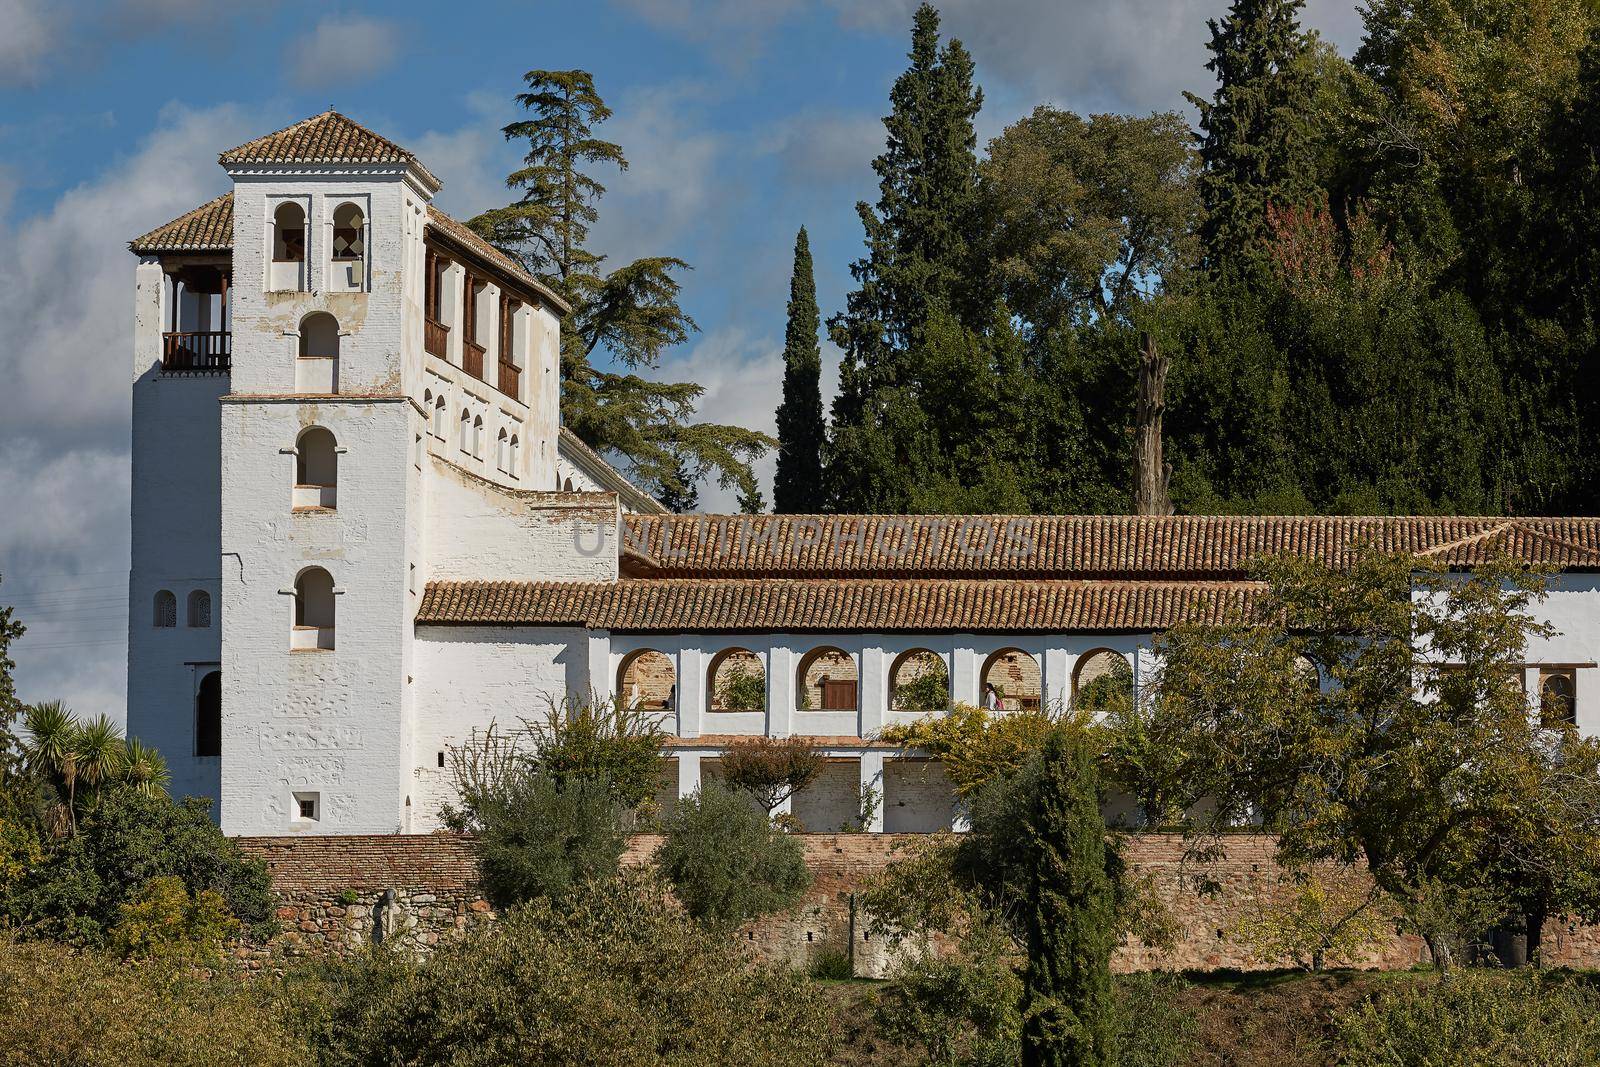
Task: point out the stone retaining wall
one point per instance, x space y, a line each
332 897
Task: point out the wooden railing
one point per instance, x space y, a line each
435 337
510 380
472 359
197 352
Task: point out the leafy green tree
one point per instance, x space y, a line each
617 974
125 841
725 860
1415 756
918 262
630 313
679 492
10 707
1069 1016
797 487
165 921
771 769
1253 141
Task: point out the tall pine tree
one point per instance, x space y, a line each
797 486
630 313
918 265
1253 143
1070 915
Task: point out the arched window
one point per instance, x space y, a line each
1558 697
566 485
319 335
513 457
349 232
647 680
316 469
826 680
919 681
466 431
200 609
313 609
1101 680
477 437
289 233
1011 681
208 716
502 449
737 681
166 609
438 418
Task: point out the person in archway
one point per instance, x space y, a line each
991 697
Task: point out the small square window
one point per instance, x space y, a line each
307 807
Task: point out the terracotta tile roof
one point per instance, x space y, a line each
465 237
325 138
1074 546
669 605
208 228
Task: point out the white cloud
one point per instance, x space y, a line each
736 31
473 160
27 35
341 49
66 286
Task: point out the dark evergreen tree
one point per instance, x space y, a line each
919 262
797 486
631 312
752 501
680 491
1253 142
1070 915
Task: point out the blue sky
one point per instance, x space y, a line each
742 120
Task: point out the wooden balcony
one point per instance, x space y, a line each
472 358
435 338
197 352
510 380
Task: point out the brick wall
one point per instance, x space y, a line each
331 889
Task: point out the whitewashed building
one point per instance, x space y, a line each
360 534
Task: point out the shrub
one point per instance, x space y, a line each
1153 1028
60 1005
928 691
961 1008
130 838
600 741
725 860
164 921
1476 1018
771 769
831 965
745 690
614 974
974 746
539 838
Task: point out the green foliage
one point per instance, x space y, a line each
1254 141
1476 1018
631 312
613 975
71 1007
601 740
1367 767
959 1008
725 860
1153 1028
130 838
771 769
539 837
972 745
1069 1016
1315 918
797 485
165 921
10 707
929 690
744 690
81 759
831 965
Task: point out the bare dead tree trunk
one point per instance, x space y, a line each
1150 469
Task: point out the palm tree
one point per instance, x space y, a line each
51 750
145 770
102 755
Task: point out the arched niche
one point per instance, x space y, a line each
736 681
919 681
1011 681
827 680
647 680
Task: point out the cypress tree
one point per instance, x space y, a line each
918 263
797 485
1253 143
1070 916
